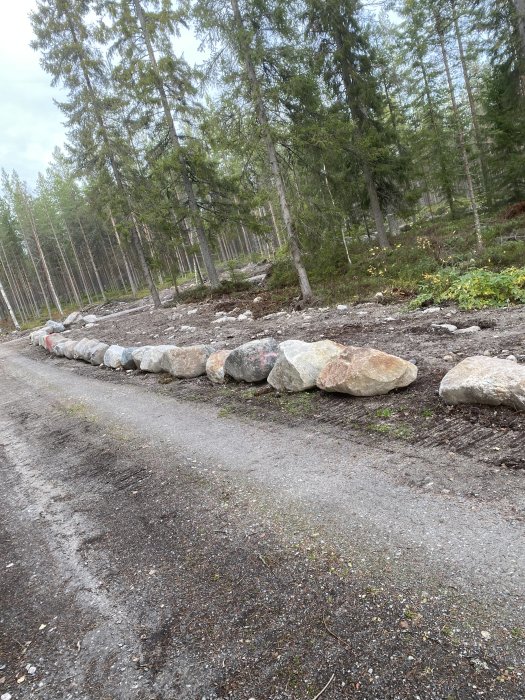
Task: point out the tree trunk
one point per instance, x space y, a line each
67 271
262 117
9 307
41 255
472 105
460 134
449 194
92 260
174 137
124 257
519 8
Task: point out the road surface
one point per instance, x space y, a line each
153 548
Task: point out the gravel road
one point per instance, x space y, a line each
153 548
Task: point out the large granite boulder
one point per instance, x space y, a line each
186 362
138 354
113 356
485 380
58 349
366 372
96 356
215 366
51 341
84 348
253 361
152 358
68 348
299 364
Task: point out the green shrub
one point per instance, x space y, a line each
475 289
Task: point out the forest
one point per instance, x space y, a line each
357 146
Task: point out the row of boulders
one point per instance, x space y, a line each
295 365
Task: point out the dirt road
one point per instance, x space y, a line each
154 548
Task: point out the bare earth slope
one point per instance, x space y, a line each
153 547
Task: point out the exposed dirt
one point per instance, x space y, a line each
131 570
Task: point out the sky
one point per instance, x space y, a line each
30 123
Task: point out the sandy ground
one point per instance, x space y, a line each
165 539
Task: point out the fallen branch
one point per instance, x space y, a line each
326 686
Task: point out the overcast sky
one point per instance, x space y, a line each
30 123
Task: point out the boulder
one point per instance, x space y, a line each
152 358
54 327
485 380
50 341
90 318
74 319
35 336
59 348
127 360
215 366
84 348
186 362
253 361
366 372
113 356
299 364
42 338
138 354
68 348
96 356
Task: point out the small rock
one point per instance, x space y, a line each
470 329
448 357
257 300
192 311
223 319
512 358
447 327
90 318
246 316
188 329
342 307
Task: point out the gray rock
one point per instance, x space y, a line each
253 361
138 354
59 348
366 372
113 356
485 380
96 356
68 348
127 360
186 362
54 327
84 348
445 327
470 329
299 364
152 358
90 318
215 366
36 336
74 319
